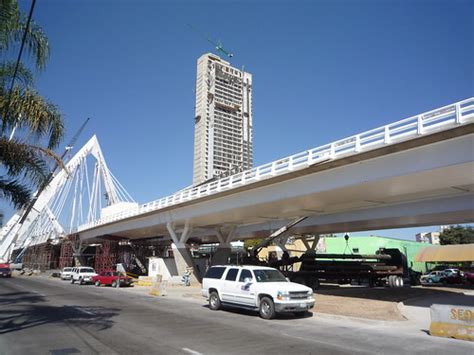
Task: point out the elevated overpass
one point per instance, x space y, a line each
414 172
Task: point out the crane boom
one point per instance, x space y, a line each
217 45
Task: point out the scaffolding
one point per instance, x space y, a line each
41 257
66 256
106 256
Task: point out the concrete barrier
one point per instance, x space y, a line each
452 321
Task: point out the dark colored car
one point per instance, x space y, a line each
453 279
5 272
469 276
111 278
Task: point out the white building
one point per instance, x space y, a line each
223 119
428 237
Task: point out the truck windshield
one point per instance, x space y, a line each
269 276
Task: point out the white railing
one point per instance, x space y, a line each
444 118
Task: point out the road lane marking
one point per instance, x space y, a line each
191 351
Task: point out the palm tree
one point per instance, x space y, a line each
31 126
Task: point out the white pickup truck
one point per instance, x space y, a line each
82 275
255 287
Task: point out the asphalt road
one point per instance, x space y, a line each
44 316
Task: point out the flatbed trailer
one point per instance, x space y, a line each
388 267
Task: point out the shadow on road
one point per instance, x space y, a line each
30 316
254 313
20 297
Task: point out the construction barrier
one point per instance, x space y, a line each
158 287
452 321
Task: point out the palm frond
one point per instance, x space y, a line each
12 29
22 160
9 18
29 110
24 76
14 191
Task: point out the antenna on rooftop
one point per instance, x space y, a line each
217 45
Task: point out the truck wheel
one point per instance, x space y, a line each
214 301
401 283
114 283
267 308
97 283
391 281
313 284
81 281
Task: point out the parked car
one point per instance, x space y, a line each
5 272
451 272
111 278
82 275
256 287
457 278
433 277
469 276
66 273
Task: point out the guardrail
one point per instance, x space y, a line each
440 119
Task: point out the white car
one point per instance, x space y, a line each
82 275
66 273
255 287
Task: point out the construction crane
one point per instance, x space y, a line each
217 45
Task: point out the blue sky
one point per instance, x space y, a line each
322 70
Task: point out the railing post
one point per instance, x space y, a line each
386 135
290 164
357 144
230 181
333 151
243 177
219 183
257 174
420 125
273 169
458 113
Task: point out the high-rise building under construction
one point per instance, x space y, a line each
223 119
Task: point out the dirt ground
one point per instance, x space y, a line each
371 303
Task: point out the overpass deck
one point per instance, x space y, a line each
416 163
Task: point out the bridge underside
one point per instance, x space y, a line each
405 186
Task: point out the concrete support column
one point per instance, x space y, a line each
78 249
182 256
225 236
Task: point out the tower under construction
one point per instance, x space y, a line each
223 119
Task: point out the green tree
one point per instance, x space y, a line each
26 155
457 235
